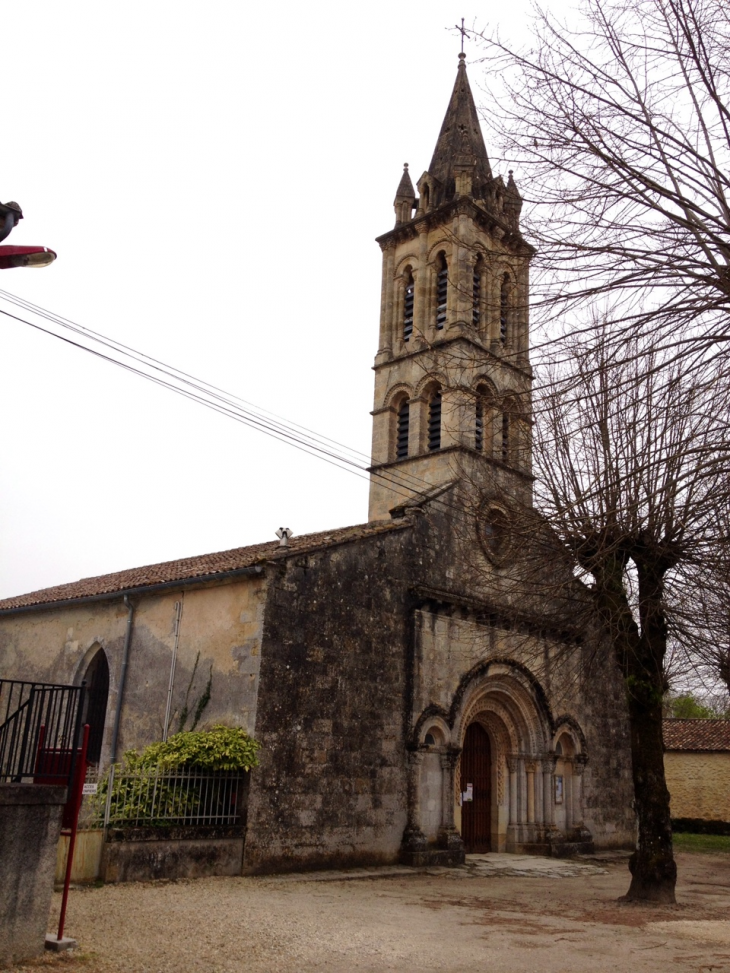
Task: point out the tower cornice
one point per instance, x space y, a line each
524 371
463 205
452 450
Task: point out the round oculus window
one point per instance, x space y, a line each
494 532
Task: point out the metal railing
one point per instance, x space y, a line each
167 796
40 727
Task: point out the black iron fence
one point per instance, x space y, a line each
40 731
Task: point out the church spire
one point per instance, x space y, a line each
460 144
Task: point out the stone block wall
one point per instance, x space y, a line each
144 854
330 791
30 823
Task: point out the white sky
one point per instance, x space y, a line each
212 177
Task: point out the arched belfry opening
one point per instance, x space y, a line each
96 678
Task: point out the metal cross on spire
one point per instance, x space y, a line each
464 33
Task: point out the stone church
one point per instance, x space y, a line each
414 694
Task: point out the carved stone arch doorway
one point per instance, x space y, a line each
503 729
524 768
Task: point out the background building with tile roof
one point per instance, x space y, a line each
697 768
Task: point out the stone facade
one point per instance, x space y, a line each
359 657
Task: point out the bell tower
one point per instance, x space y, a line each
452 372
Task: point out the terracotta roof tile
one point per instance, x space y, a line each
196 567
696 734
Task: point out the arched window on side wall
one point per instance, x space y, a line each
408 298
442 290
434 420
402 429
97 695
476 297
505 299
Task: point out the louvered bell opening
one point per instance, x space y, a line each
442 286
503 312
479 426
408 312
401 439
505 438
476 298
434 422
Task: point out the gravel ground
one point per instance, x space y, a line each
449 920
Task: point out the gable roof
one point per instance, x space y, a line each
205 567
696 734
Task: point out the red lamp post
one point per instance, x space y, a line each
25 257
10 216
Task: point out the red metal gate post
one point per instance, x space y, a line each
75 797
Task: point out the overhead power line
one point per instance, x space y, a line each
209 395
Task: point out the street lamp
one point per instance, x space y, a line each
25 257
10 215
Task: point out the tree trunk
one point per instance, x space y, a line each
640 654
652 866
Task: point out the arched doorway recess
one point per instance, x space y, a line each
95 704
525 771
476 789
535 803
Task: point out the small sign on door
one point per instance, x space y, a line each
468 794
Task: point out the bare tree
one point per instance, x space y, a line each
619 128
702 628
631 460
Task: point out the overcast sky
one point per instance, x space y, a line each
212 177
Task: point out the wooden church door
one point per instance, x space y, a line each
476 781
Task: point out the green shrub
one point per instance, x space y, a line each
138 792
219 748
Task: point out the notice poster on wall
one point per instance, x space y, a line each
558 789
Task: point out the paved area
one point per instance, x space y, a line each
529 866
477 866
500 914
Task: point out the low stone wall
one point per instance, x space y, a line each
141 854
30 823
